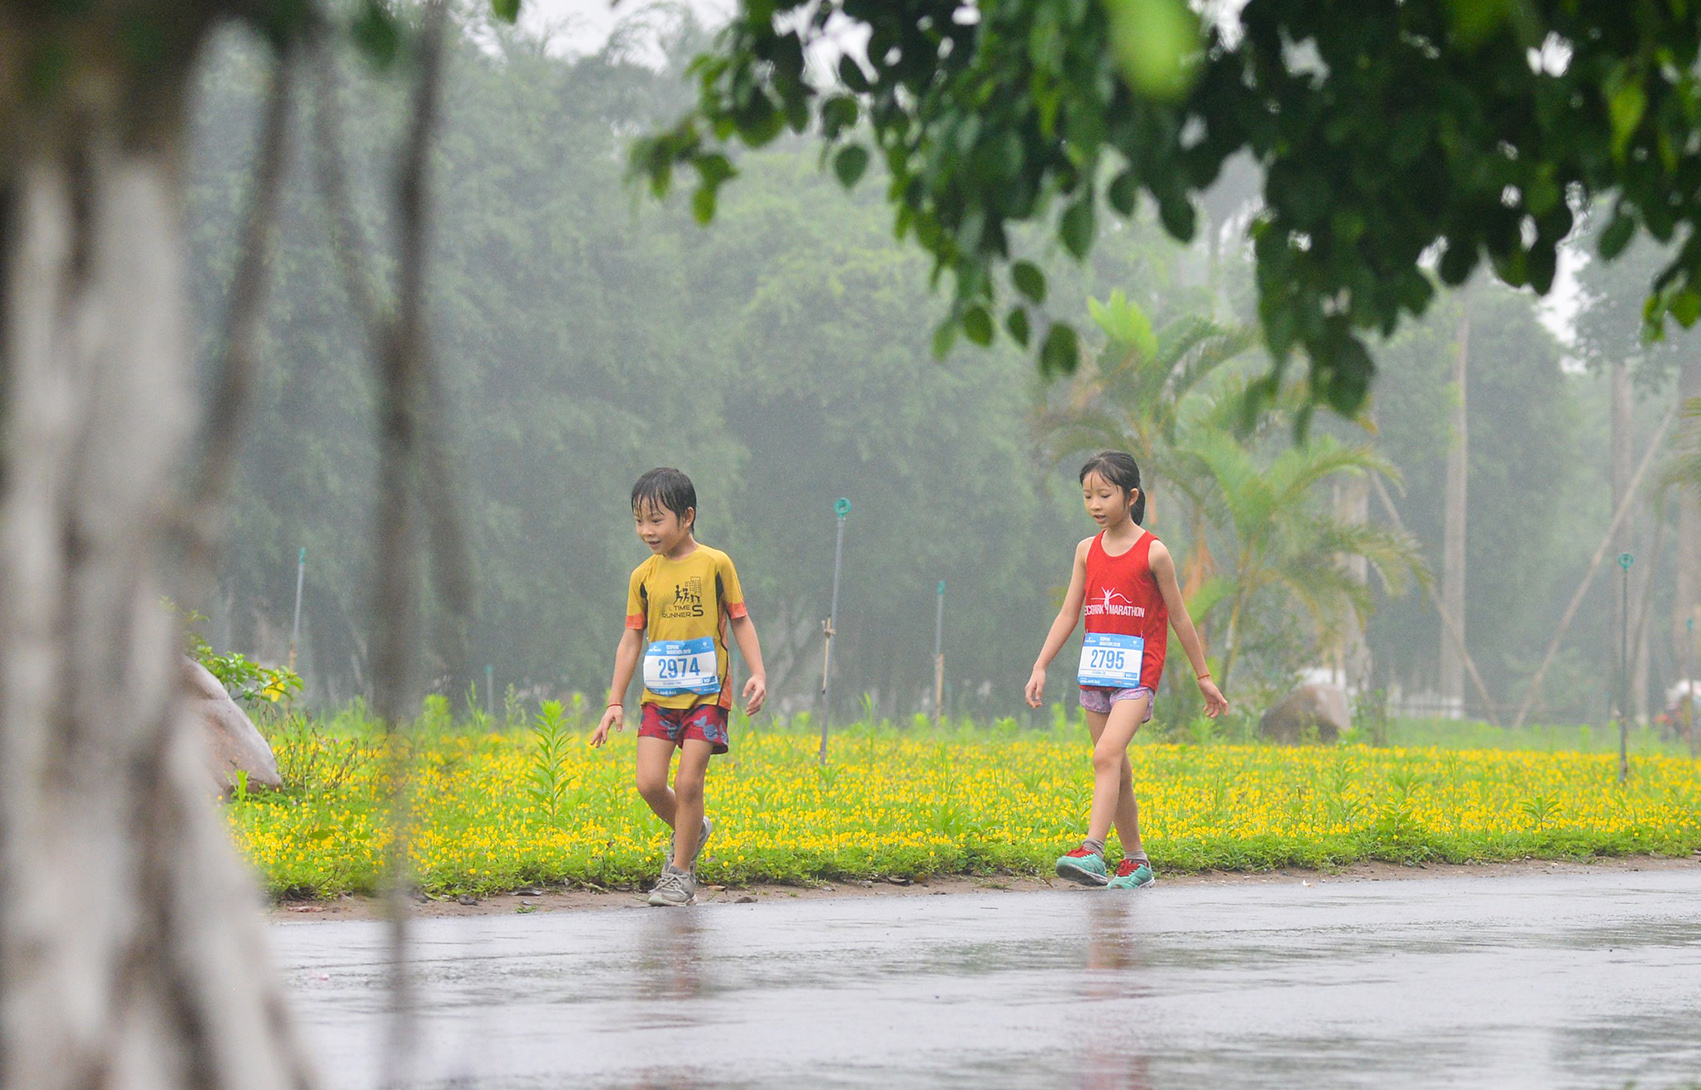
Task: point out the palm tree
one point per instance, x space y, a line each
1282 539
1131 395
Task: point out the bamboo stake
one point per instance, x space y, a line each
1450 625
1594 565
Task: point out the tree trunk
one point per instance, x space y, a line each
1453 525
1621 408
1352 507
1686 608
131 950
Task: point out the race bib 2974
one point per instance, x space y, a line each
676 667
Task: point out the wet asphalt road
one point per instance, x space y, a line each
1538 981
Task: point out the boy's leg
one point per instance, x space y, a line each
1127 807
1112 775
694 757
654 757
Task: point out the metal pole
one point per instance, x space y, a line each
939 657
295 626
1689 679
840 508
1624 562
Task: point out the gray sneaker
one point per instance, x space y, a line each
674 887
702 839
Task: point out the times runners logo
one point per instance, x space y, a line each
1113 604
687 599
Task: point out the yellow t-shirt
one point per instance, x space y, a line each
683 606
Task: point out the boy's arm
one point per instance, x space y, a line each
1163 566
626 654
1062 627
756 689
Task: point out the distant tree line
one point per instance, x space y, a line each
781 358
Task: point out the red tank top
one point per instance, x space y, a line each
1123 597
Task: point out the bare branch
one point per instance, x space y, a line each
404 372
347 241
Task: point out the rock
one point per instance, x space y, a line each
233 745
1311 713
744 899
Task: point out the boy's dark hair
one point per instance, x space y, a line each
668 488
1120 469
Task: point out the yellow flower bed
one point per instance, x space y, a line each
492 812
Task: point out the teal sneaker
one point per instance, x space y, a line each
1083 866
1132 874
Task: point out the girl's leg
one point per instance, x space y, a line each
1112 774
1127 808
688 800
654 757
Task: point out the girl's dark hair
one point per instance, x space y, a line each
1120 469
665 487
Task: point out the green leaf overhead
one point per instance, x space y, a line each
1386 132
376 33
1061 351
850 163
1028 279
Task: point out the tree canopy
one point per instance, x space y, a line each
1391 135
802 326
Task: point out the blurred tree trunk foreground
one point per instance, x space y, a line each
129 952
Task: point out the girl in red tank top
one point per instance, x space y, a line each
1124 586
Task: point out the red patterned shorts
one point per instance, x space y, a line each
705 722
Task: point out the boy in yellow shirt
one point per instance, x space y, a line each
683 599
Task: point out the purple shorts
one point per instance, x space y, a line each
1100 700
706 722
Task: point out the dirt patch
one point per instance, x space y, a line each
558 899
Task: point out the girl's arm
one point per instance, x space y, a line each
626 654
1163 566
756 689
1063 626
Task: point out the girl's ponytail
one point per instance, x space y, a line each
1119 468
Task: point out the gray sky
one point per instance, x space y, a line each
584 25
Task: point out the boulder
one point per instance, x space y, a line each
233 743
1311 713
